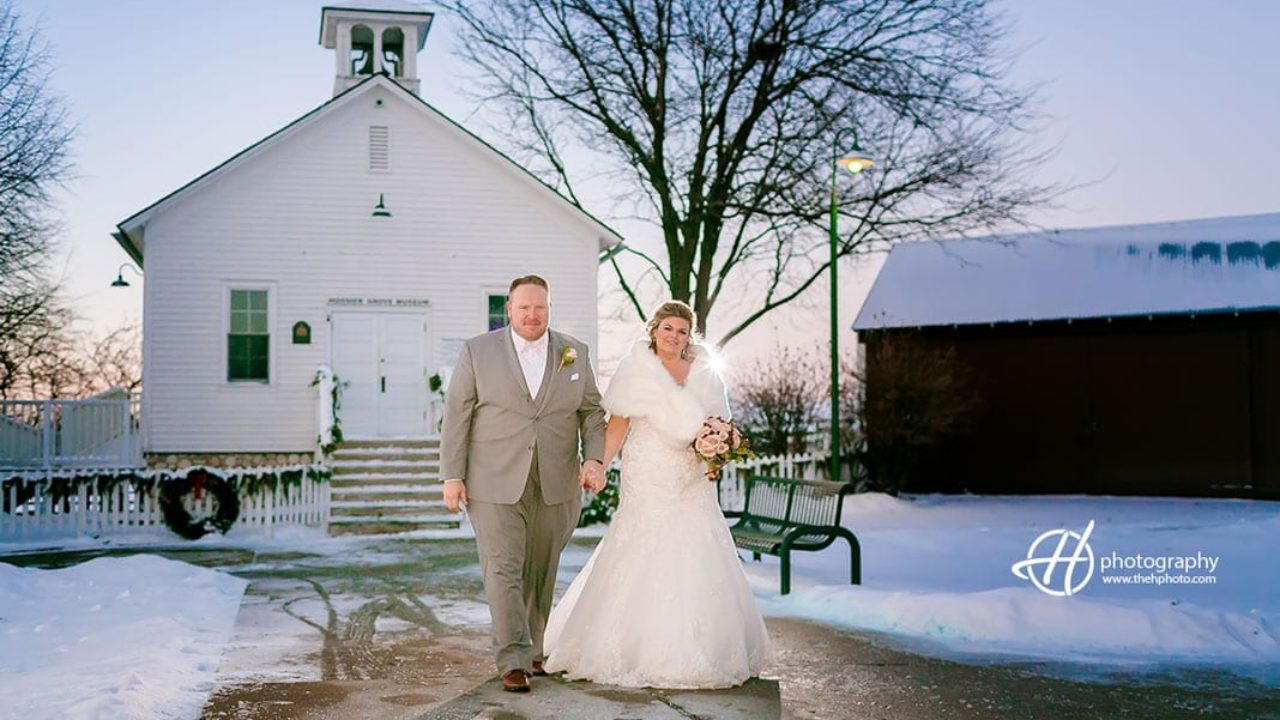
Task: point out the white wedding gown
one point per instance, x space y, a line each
663 600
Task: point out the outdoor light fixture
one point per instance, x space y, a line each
380 210
120 281
854 162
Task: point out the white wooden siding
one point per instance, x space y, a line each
297 218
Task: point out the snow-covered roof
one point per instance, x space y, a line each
1193 266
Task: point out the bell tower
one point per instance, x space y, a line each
375 36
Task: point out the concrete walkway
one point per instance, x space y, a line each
555 699
397 630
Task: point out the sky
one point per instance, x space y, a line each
1161 110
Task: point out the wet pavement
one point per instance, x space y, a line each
396 628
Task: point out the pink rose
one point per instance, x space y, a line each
706 445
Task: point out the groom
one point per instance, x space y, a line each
519 401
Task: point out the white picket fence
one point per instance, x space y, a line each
85 513
733 478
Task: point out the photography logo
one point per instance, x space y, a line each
1041 562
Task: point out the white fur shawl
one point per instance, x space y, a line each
642 387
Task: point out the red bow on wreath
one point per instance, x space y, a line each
198 478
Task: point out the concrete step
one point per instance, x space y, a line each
385 493
343 457
388 526
382 487
383 507
384 467
419 443
390 479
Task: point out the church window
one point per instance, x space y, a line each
248 339
497 311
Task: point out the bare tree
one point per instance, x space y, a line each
778 400
53 360
34 134
114 360
719 118
34 348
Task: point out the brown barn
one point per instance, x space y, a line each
1124 360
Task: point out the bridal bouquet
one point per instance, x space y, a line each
720 442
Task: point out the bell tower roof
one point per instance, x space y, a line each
375 36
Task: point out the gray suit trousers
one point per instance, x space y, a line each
519 546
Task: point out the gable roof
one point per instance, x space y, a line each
131 231
1190 267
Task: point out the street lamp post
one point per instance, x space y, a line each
855 162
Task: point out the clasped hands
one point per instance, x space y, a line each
591 477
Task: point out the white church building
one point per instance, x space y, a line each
372 236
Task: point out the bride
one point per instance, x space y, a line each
663 601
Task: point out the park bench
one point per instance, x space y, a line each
785 514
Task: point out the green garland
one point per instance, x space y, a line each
251 482
435 384
603 504
335 430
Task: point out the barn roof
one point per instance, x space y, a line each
1175 268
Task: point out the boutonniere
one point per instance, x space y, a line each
567 356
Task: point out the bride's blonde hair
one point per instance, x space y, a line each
676 309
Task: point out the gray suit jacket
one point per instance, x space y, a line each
491 425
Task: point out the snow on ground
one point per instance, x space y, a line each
141 636
124 637
311 540
938 570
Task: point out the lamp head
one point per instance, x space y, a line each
856 161
120 281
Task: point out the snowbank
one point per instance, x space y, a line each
127 637
939 569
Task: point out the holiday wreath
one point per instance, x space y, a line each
196 483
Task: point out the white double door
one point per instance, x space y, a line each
380 359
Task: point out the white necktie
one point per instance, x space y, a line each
533 363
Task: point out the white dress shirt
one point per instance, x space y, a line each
533 359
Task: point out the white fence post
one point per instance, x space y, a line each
46 446
82 509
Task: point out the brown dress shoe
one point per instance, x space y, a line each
515 681
537 668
